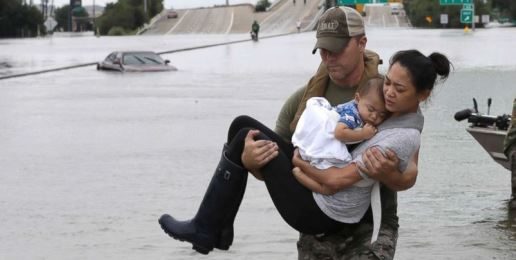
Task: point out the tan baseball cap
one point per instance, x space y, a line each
336 26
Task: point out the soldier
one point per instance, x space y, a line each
252 147
510 152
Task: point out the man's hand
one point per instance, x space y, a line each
256 154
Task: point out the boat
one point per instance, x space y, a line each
492 141
490 132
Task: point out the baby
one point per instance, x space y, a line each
324 131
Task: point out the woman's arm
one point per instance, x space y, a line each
385 169
334 179
310 183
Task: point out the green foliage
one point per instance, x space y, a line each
128 15
61 15
418 11
262 5
116 31
17 20
504 10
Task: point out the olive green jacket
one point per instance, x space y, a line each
320 85
510 139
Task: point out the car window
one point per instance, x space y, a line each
142 59
111 57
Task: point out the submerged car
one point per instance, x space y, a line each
134 61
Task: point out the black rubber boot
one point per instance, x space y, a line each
212 226
226 234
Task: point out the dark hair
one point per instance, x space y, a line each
423 70
373 84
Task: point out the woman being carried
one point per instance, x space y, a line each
409 81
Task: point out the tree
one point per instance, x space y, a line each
262 6
505 10
129 15
19 20
61 15
425 13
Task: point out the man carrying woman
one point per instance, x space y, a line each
269 156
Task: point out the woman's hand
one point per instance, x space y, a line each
376 165
258 153
385 168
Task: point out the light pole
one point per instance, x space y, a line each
145 6
94 29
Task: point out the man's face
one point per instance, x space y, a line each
341 65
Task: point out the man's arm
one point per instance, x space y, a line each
287 114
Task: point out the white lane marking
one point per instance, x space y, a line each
231 21
178 22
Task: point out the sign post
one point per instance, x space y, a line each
467 13
444 19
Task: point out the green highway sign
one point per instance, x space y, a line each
354 2
466 16
455 2
468 6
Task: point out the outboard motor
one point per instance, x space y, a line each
476 119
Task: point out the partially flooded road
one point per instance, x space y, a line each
91 159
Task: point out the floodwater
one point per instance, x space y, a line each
89 160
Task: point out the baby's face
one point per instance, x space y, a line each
372 109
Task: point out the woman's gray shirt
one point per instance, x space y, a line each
400 134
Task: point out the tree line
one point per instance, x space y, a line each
126 16
426 13
19 20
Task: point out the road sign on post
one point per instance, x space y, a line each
455 2
466 16
444 18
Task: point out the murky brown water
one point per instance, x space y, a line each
89 160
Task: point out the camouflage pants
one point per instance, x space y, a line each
351 243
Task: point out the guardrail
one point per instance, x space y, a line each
164 52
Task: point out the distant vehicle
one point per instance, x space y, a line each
134 61
396 8
171 14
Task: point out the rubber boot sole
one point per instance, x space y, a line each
203 249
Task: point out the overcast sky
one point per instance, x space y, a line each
167 3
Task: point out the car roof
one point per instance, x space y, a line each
130 52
